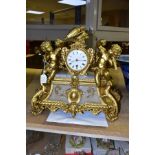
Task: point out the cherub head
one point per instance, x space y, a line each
46 46
101 42
115 50
59 42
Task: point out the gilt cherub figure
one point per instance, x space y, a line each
106 60
50 59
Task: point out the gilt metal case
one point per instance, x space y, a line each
99 61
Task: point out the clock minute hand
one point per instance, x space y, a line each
77 60
81 60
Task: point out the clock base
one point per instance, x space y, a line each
63 94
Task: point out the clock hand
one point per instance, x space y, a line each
73 61
81 60
77 60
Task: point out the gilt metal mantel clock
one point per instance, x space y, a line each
71 56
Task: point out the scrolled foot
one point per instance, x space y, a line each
37 110
111 117
111 114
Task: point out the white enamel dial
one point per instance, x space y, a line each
77 60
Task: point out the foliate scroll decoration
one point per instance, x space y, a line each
98 61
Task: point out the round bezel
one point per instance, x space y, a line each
77 71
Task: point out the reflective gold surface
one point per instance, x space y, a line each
99 62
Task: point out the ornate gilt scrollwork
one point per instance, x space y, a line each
102 60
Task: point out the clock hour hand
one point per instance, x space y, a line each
73 61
